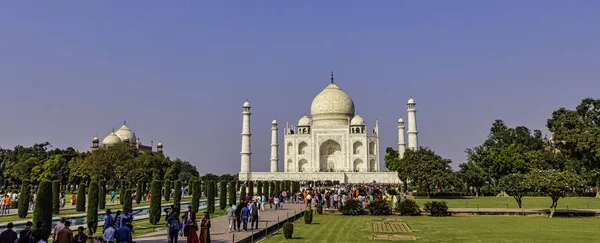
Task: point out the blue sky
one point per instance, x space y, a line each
179 71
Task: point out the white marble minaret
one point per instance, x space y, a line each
401 144
274 146
246 150
412 124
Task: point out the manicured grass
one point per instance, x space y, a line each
339 228
504 202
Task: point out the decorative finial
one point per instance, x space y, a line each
124 122
332 77
113 130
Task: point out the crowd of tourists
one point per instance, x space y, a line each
187 226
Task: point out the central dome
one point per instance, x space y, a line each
332 105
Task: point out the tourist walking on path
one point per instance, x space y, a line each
8 235
205 228
245 216
123 234
193 229
109 220
238 217
231 217
173 225
255 213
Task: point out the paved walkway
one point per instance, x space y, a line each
220 226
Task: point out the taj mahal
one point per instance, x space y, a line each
332 144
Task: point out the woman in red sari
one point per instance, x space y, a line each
192 226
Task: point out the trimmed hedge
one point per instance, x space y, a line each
177 195
308 216
259 188
167 190
232 193
251 189
122 191
288 230
271 188
80 206
139 192
43 205
265 189
243 192
56 197
24 199
195 195
127 201
210 196
155 200
379 207
436 208
352 207
277 187
408 207
102 194
92 210
319 208
222 195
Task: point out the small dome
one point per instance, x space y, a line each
124 133
111 139
274 122
304 121
95 139
246 104
159 145
357 121
411 101
400 120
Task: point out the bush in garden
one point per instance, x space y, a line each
436 208
308 216
319 208
352 207
80 207
288 230
177 195
24 199
408 207
92 210
56 197
379 207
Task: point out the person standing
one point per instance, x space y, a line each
108 220
193 229
8 235
173 226
255 212
238 217
112 196
231 217
205 228
80 237
109 234
245 216
123 234
65 235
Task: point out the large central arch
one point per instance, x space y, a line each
330 153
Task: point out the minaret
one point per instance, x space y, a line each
274 146
412 124
245 154
401 144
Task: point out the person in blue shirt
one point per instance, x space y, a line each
108 220
245 216
123 234
112 196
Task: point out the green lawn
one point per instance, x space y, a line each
504 202
339 228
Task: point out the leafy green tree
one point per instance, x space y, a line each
516 185
473 175
427 169
128 201
222 195
394 163
196 195
139 192
177 195
167 190
155 202
210 196
80 204
43 205
232 193
577 134
92 209
56 197
555 184
102 194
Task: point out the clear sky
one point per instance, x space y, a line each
179 71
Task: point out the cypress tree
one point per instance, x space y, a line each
24 199
223 194
122 191
242 192
259 188
272 188
128 201
250 189
92 210
167 190
155 200
102 194
232 193
195 195
139 192
177 195
80 207
210 196
191 187
56 197
144 189
277 187
266 188
43 205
